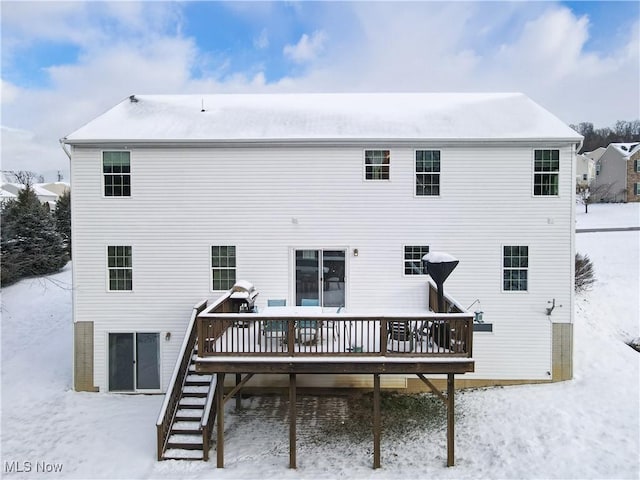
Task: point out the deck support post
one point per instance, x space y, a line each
450 419
292 420
376 420
220 413
238 395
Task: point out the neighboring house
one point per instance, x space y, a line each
46 192
617 173
339 195
585 171
59 188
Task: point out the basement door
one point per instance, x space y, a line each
320 277
134 362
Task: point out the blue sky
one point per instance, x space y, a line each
76 59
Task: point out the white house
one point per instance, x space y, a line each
585 170
290 191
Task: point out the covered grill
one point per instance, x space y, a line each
243 296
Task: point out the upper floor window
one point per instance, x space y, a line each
120 267
223 267
428 172
376 164
413 259
546 172
515 268
116 167
636 166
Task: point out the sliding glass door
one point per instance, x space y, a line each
134 362
320 277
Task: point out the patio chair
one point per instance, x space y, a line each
275 329
307 330
440 333
401 337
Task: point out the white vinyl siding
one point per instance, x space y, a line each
308 197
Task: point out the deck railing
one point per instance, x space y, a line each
330 334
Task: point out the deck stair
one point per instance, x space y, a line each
189 409
185 440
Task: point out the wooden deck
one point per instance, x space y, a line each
246 344
339 344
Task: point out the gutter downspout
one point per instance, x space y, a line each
62 144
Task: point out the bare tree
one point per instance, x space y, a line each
588 195
26 177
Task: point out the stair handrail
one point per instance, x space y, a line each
180 370
206 423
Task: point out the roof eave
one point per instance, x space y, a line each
317 141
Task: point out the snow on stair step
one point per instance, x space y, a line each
185 438
195 389
198 378
180 453
189 413
193 401
186 425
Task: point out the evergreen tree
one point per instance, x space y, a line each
30 244
63 219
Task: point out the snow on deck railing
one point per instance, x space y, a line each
299 334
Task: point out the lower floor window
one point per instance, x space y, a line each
134 361
413 259
515 264
223 267
120 267
636 188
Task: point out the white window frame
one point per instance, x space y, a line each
503 269
130 174
116 268
222 267
416 173
543 172
365 165
406 262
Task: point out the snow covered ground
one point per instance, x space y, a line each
585 428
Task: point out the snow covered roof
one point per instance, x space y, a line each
626 149
322 117
596 154
6 194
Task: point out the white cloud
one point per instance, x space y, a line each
137 48
8 92
261 41
307 48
